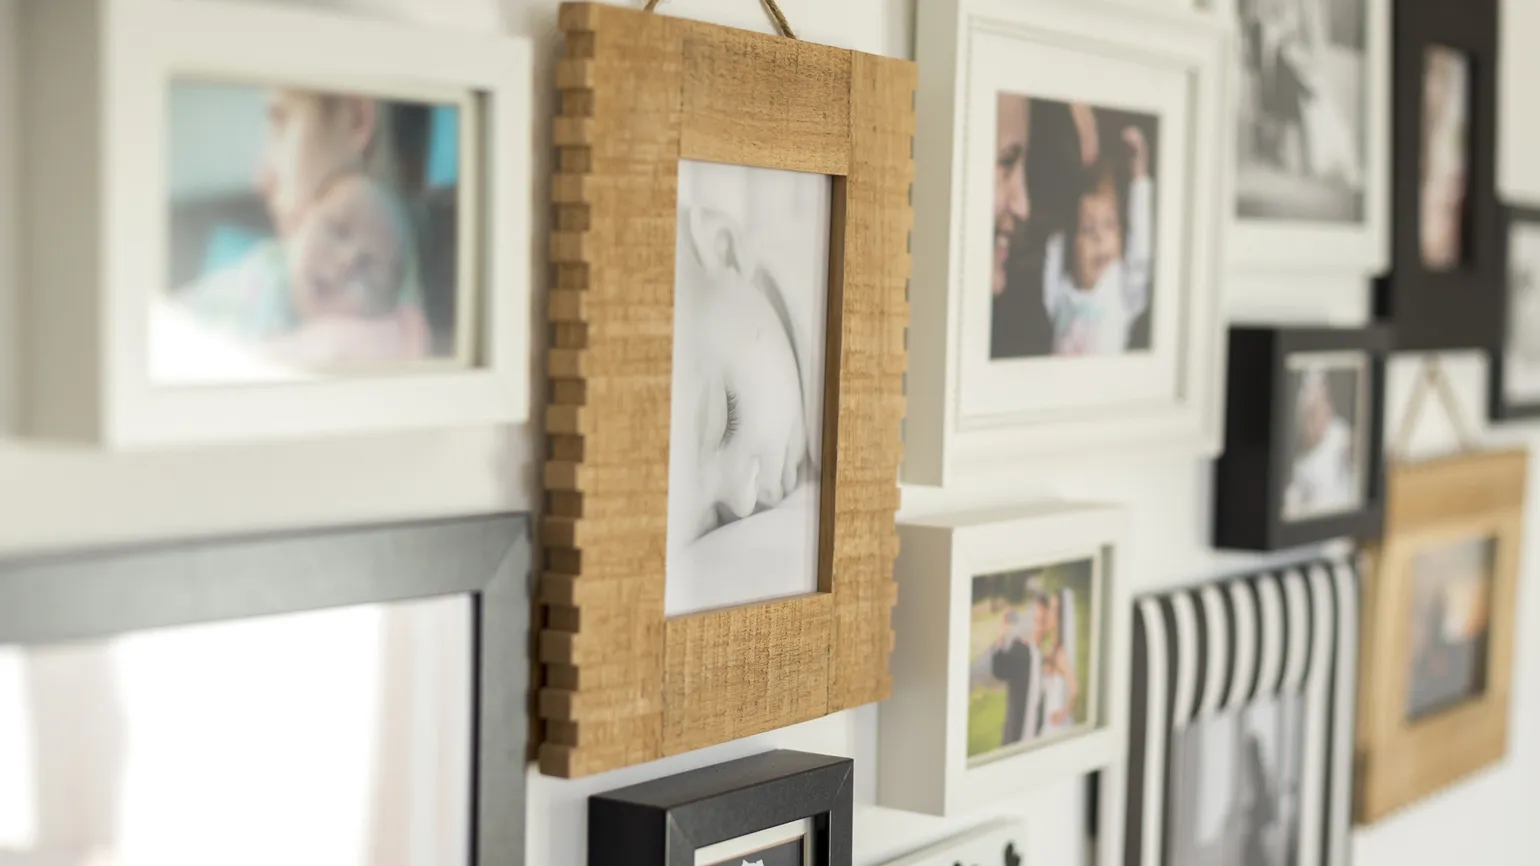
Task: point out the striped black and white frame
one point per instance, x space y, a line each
1220 647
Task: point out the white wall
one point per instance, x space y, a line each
51 498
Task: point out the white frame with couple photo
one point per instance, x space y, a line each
1165 68
1291 243
100 174
922 753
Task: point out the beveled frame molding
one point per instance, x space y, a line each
1400 760
622 683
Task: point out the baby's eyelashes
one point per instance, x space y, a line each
730 428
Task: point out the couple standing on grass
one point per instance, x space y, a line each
1033 659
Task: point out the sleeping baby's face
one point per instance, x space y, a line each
740 381
345 257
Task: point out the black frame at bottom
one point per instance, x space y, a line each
103 594
664 822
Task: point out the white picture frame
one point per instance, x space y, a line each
985 846
922 751
968 413
98 174
1268 248
1215 651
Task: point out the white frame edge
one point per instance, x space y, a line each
1269 247
97 173
944 850
937 446
921 753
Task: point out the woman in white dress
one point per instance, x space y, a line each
1059 686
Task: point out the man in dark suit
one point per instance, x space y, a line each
1018 663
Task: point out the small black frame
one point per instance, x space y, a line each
1251 475
1460 308
664 822
106 593
1498 407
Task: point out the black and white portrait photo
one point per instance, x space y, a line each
1302 87
1074 229
1235 795
1521 353
1327 447
750 299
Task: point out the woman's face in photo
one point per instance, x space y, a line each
1012 204
309 139
743 385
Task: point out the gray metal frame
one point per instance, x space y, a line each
105 593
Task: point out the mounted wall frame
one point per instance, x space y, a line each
1514 362
662 467
1445 287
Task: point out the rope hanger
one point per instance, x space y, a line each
781 24
1432 378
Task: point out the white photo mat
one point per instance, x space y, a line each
968 412
1218 648
923 764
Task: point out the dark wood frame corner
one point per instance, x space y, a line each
1498 407
1250 476
664 822
621 683
105 593
1458 309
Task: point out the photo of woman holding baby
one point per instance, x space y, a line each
312 233
1074 242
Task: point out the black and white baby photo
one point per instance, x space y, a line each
750 297
1235 795
1302 86
1326 469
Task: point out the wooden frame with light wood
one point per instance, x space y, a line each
1400 760
623 683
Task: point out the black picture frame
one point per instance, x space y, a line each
1460 308
1499 408
1252 473
106 593
664 822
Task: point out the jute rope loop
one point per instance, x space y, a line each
774 9
1432 378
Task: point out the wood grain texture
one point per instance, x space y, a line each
1434 504
621 683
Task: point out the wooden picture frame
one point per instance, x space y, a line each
1216 666
931 757
1513 387
995 378
170 318
1292 239
1406 751
103 594
624 683
1254 487
1458 306
674 820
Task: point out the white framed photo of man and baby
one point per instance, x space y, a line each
1076 233
298 240
1025 607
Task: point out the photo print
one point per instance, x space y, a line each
786 845
314 233
751 284
111 758
1451 600
1327 448
1303 84
1521 356
1445 175
1032 656
1074 229
1235 798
